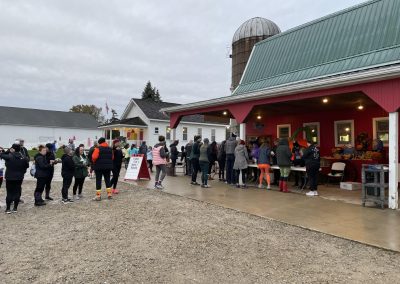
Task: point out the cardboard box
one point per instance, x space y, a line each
350 185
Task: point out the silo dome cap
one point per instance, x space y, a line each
256 27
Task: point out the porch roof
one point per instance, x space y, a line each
135 122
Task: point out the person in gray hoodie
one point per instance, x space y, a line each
230 146
241 163
283 156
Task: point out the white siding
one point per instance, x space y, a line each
135 111
34 136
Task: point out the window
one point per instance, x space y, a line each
344 133
381 129
168 133
212 135
200 132
184 133
314 131
283 131
156 131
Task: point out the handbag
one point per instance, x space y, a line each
32 170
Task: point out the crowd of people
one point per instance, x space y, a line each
234 157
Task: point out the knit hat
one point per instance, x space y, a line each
16 147
102 140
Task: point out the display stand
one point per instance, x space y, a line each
137 168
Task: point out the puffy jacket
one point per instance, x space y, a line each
159 155
264 155
81 164
230 146
283 154
118 157
102 157
68 166
16 164
43 167
241 158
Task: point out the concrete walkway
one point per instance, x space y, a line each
371 226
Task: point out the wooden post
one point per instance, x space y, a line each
393 160
242 131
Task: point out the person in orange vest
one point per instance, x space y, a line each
102 163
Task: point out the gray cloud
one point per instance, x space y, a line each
57 53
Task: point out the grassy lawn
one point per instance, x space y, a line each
59 153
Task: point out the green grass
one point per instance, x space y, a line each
59 153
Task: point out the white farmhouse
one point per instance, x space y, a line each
37 126
143 121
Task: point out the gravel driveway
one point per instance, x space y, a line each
152 237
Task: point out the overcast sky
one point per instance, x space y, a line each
57 53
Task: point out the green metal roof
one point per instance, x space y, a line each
361 37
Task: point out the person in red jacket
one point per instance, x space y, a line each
102 163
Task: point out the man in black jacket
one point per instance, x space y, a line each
174 155
67 173
43 170
312 159
117 164
16 165
102 163
195 155
50 157
188 150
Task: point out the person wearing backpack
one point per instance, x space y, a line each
160 161
43 171
16 168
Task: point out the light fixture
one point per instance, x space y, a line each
225 113
360 107
325 100
258 116
347 129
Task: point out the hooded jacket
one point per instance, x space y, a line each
43 167
16 164
230 146
264 155
68 166
241 158
311 155
174 150
283 154
81 164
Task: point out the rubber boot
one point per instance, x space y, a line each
285 186
109 193
281 184
98 195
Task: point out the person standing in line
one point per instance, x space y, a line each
149 157
71 144
67 173
195 155
204 161
277 174
212 158
133 150
230 159
89 158
117 164
221 161
283 156
102 160
174 155
143 149
297 161
16 168
188 150
125 152
80 173
264 164
313 164
241 163
254 154
2 167
50 157
43 170
24 151
183 154
159 160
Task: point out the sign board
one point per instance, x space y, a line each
137 168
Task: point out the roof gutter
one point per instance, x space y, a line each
378 74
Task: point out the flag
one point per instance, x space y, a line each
107 108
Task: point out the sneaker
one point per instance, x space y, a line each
75 197
316 193
195 183
49 198
310 193
115 191
260 186
65 201
15 210
70 200
8 211
80 196
203 186
268 187
207 186
40 203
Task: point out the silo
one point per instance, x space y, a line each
246 36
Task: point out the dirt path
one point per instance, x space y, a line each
153 237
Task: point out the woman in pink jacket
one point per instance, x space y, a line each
160 161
